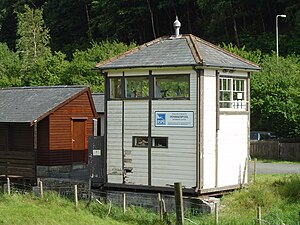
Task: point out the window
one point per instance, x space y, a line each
160 142
233 93
156 142
172 87
140 141
136 87
115 88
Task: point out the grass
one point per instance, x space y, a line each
278 196
275 161
52 209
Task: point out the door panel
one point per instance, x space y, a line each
79 141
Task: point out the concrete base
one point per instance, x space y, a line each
150 201
75 171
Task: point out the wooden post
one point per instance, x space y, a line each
8 186
179 203
41 189
244 173
216 214
124 202
159 206
76 196
255 170
259 215
299 218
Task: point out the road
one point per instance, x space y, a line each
276 168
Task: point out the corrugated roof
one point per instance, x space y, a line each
99 102
26 104
187 50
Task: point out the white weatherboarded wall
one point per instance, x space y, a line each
135 124
233 148
209 129
177 163
114 142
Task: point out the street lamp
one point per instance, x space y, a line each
277 48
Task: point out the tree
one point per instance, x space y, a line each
275 101
80 69
9 67
34 38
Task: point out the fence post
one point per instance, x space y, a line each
41 187
179 203
76 196
259 215
244 172
299 218
124 202
216 214
8 186
159 206
255 170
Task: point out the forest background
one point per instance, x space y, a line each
59 42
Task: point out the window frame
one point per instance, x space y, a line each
171 98
135 77
232 90
151 87
146 139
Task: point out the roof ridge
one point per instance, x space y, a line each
43 87
225 51
195 51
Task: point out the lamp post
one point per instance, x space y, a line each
277 48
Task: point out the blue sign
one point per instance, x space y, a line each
161 119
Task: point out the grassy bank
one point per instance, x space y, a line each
278 196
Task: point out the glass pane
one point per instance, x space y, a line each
140 141
160 142
137 87
115 88
225 96
171 87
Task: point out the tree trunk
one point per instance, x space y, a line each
88 22
234 26
189 19
152 20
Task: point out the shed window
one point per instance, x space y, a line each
137 87
172 87
115 88
233 93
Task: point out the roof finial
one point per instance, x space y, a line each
176 26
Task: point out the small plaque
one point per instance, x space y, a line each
96 152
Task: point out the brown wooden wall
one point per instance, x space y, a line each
60 132
17 156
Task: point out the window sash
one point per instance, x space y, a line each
233 94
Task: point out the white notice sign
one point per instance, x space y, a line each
96 152
174 119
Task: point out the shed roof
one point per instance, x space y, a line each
187 50
27 104
99 102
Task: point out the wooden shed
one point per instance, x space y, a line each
177 111
44 127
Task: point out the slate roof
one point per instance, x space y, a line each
99 102
187 50
26 104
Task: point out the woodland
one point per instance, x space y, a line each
50 42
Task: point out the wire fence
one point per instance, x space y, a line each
157 202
